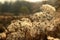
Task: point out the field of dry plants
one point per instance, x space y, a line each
44 25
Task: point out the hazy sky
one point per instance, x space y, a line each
15 0
6 0
33 0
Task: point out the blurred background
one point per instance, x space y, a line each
19 7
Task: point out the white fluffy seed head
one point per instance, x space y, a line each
38 16
48 8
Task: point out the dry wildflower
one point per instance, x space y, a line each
48 8
27 29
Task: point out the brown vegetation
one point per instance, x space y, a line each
39 26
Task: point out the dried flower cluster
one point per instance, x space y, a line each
34 28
